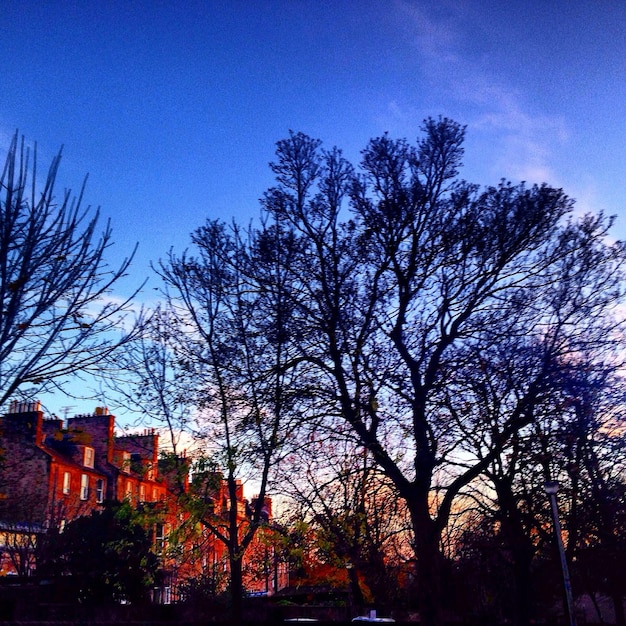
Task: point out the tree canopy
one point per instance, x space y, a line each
437 326
411 299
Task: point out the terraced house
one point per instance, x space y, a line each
54 471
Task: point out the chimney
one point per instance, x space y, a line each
25 418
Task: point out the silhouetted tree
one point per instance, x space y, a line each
229 301
359 523
590 458
425 278
383 299
57 314
574 437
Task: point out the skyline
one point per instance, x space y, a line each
174 110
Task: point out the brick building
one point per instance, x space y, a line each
52 472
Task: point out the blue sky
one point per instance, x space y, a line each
174 108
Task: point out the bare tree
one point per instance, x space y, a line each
57 314
589 459
576 436
155 383
229 301
381 301
429 270
360 524
580 341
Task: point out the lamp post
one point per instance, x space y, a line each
552 488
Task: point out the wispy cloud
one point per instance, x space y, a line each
436 38
520 143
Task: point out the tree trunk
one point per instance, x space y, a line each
358 600
523 596
521 547
430 571
377 579
429 566
618 605
236 589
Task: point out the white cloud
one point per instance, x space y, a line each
436 39
516 143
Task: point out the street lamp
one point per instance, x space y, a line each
552 488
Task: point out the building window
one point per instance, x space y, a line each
66 482
162 595
159 537
84 486
100 491
129 489
88 459
142 493
136 463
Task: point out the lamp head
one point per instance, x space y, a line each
551 487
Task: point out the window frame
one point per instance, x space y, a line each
160 536
84 487
67 483
89 456
100 488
